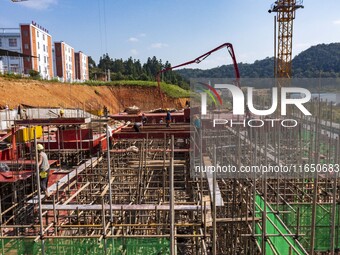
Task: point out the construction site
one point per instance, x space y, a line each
118 188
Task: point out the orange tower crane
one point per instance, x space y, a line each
285 15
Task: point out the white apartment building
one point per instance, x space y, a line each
82 66
10 39
64 61
36 41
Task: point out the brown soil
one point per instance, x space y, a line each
49 94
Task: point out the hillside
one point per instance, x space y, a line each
307 64
322 57
54 94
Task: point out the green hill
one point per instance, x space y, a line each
324 58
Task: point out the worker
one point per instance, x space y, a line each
168 119
61 113
197 122
110 132
44 169
105 111
19 111
137 126
144 119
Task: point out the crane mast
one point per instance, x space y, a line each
285 15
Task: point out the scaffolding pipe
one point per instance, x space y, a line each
172 200
333 218
214 240
39 192
108 135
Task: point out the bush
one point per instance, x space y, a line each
12 76
34 74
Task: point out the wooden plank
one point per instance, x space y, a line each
226 220
119 207
152 150
76 193
107 186
208 216
209 176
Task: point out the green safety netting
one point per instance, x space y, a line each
275 244
77 246
322 227
309 137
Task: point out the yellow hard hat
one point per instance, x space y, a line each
62 111
40 147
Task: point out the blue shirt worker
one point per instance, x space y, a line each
168 119
197 122
144 119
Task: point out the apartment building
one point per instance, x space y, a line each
36 41
82 66
10 39
64 60
58 60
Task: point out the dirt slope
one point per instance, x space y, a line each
48 94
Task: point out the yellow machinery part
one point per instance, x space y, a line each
27 134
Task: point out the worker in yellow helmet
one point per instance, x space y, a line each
44 169
61 113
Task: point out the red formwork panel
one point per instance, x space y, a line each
6 154
98 143
187 115
74 134
151 135
152 117
14 176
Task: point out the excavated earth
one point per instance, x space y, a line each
54 94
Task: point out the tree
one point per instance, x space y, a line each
105 62
92 64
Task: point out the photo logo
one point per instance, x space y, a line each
206 89
239 99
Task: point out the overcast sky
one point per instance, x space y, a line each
173 30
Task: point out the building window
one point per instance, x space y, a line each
0 42
44 59
14 67
26 46
28 59
43 37
44 47
39 69
12 42
38 45
39 57
37 33
25 33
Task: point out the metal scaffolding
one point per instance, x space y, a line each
139 192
